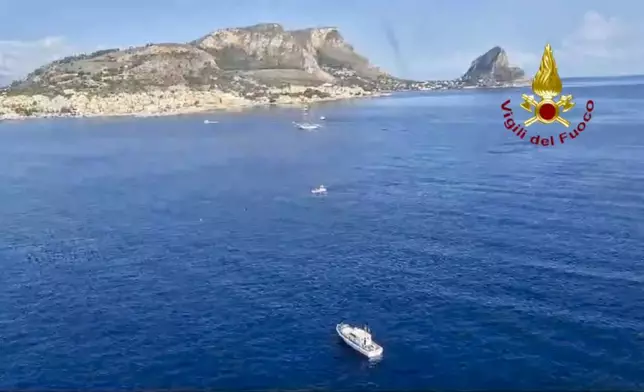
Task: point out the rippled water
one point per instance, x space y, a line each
165 253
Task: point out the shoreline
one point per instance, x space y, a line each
179 100
218 102
189 110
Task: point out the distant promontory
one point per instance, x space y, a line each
226 69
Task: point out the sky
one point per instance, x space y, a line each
420 39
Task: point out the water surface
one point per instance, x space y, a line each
165 253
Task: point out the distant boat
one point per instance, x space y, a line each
319 190
322 118
360 340
210 122
307 126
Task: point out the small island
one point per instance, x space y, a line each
227 69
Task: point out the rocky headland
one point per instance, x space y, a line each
226 69
493 69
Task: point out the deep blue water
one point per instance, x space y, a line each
165 253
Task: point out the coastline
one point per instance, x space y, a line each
181 100
228 69
177 100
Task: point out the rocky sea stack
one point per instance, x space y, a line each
492 67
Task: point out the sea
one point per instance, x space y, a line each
165 253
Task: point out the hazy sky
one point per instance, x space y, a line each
433 38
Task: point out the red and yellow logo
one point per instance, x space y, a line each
547 85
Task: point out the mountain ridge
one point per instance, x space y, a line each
231 67
309 56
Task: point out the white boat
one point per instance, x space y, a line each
359 339
305 123
319 190
210 122
307 126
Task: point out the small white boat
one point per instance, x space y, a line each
322 118
359 339
307 126
319 190
210 122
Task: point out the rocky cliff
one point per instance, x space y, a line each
491 68
237 60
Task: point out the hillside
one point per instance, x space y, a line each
238 60
227 68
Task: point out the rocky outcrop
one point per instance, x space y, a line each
273 55
493 67
261 47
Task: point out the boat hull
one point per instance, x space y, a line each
307 126
377 353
